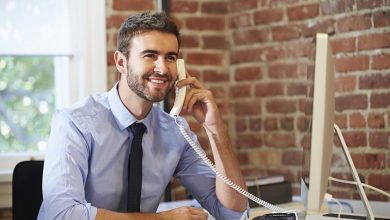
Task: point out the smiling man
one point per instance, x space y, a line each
89 165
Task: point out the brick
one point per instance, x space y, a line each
251 36
376 120
281 106
255 124
283 70
247 108
215 76
217 7
268 16
240 21
135 5
188 41
244 55
323 26
347 44
357 120
380 100
110 58
240 125
287 124
218 91
184 7
215 42
369 4
369 161
374 41
303 123
379 139
382 19
296 89
330 7
205 23
204 58
270 124
354 63
115 21
240 91
355 101
381 61
353 23
253 140
355 138
280 140
284 33
380 181
302 12
243 5
268 89
375 81
292 158
345 83
248 73
341 120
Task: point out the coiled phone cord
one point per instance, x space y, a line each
226 180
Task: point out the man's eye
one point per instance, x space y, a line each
171 58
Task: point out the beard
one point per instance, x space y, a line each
137 85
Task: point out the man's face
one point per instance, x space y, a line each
151 67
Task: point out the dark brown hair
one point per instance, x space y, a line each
141 23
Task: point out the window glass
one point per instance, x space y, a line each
27 102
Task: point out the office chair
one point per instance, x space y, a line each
27 189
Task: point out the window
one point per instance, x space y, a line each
53 53
27 94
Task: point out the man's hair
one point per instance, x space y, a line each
144 22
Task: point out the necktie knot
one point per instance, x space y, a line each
137 129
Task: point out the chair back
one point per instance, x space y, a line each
27 189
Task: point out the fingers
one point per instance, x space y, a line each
195 95
190 81
185 213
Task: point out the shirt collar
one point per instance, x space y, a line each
122 116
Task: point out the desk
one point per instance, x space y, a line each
380 209
259 211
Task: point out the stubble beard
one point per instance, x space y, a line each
142 91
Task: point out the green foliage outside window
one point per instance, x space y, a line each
26 102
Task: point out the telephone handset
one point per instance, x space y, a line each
180 93
177 106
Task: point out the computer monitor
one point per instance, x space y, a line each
320 120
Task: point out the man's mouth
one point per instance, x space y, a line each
158 82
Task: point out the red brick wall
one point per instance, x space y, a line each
253 55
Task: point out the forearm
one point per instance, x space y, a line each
227 164
103 214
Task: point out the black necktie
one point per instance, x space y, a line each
135 168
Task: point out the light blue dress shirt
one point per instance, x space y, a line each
87 155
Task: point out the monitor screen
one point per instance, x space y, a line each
319 117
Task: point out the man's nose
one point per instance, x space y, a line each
161 67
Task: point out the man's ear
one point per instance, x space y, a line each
120 62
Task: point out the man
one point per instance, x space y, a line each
86 166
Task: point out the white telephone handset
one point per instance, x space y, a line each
180 93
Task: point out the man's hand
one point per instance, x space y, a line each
200 102
184 213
